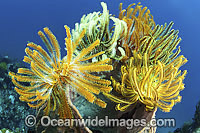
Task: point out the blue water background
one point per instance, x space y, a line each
20 20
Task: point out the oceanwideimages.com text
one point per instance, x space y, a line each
101 122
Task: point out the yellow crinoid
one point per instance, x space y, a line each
150 72
49 80
144 36
155 85
139 24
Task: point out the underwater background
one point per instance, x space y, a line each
21 20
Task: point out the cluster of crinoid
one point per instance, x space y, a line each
146 54
150 73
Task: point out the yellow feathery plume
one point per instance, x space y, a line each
51 78
156 85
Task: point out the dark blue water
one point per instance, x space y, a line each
20 20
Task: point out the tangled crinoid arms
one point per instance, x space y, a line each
150 74
50 78
157 85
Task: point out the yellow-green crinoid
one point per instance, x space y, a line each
49 79
97 26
